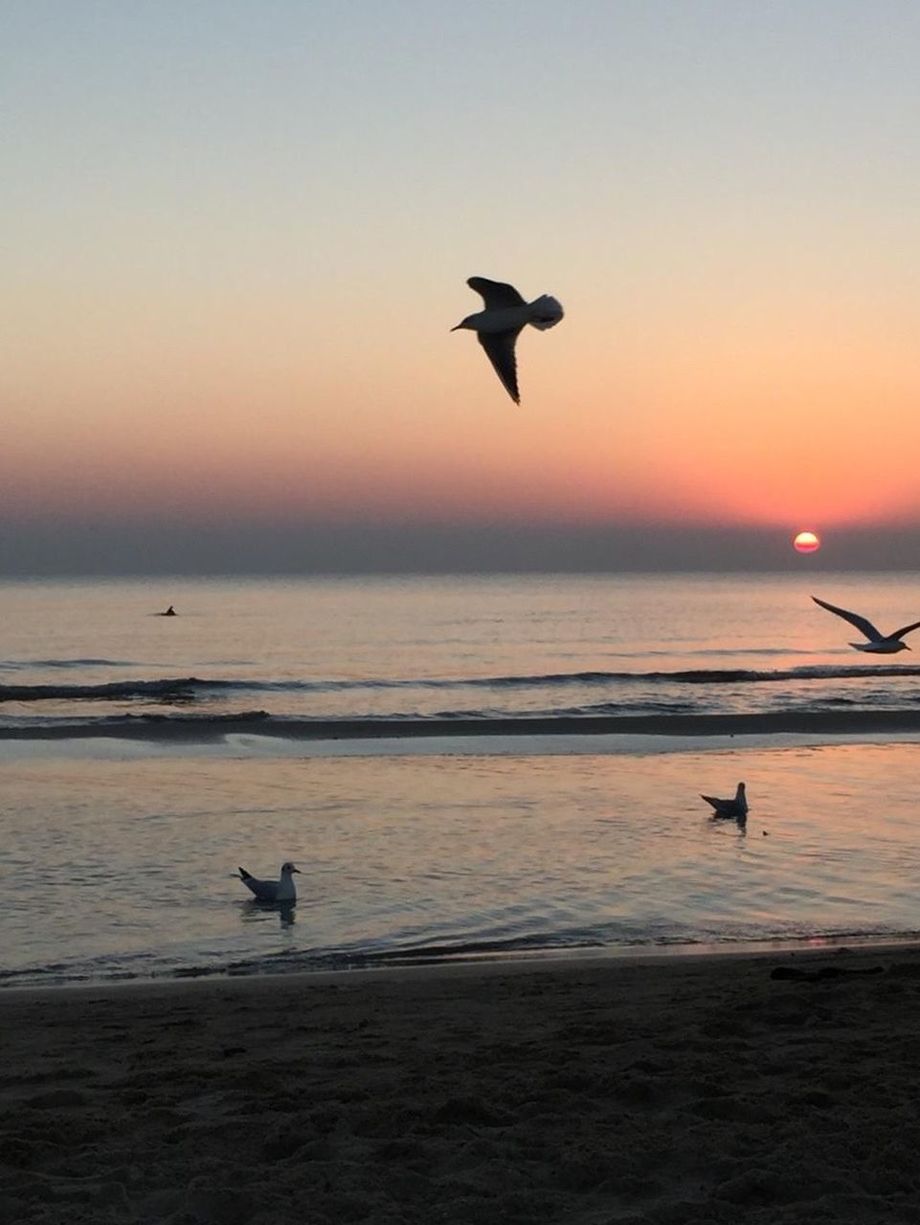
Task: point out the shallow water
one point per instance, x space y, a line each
118 854
123 865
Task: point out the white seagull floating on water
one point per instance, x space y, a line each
878 643
737 808
273 890
497 326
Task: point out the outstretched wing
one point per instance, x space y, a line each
499 347
864 626
495 294
906 630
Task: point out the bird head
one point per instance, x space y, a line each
465 323
288 868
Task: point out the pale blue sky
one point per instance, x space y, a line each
255 129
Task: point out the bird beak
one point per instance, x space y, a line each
457 328
297 870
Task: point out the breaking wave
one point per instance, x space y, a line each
188 688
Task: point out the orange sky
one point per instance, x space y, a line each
765 417
235 262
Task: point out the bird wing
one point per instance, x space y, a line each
264 890
496 294
864 626
725 808
906 630
499 347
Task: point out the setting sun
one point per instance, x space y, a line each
806 542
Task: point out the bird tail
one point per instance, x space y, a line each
546 312
244 875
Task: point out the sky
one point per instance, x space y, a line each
234 235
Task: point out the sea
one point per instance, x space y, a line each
461 768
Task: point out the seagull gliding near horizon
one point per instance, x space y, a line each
878 643
497 327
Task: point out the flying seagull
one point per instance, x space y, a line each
497 326
273 890
737 808
878 643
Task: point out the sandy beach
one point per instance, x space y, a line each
773 1088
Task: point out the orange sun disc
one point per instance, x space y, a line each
806 542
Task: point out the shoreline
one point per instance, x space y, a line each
524 961
779 1088
588 960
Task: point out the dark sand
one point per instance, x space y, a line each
684 1090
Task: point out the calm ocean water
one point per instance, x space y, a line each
143 758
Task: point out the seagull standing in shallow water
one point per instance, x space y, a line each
273 890
878 643
497 326
737 808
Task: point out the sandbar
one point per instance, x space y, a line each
158 728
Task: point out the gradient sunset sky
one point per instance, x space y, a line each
236 234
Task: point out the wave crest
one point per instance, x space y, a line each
187 688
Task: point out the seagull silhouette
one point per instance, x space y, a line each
497 327
878 643
273 890
737 808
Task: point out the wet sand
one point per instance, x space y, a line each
768 1089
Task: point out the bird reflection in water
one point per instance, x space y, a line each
255 912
